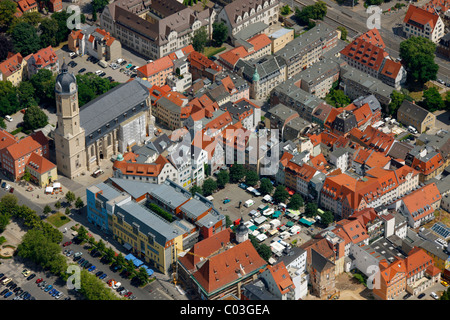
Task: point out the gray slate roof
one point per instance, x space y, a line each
111 105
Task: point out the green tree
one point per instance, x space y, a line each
196 189
49 31
223 177
251 178
92 288
47 209
82 234
209 186
6 46
2 123
7 10
285 10
109 254
327 218
280 194
67 211
296 202
9 202
142 276
63 32
344 32
34 118
432 100
26 94
263 250
4 220
70 197
200 39
266 187
120 260
237 172
8 98
44 85
207 169
311 209
220 33
25 39
101 246
417 54
79 204
338 98
316 11
58 205
397 99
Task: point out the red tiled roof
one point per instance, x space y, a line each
229 266
141 169
12 64
391 68
44 57
420 17
373 36
421 200
365 53
27 145
155 67
281 277
6 139
40 164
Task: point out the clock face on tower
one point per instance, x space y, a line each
73 87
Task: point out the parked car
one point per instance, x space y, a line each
91 268
76 258
48 288
6 281
11 190
99 273
70 253
406 296
42 284
103 276
31 276
420 296
128 294
81 261
78 254
116 285
82 70
434 295
19 292
68 243
39 280
26 272
3 184
59 295
8 294
3 292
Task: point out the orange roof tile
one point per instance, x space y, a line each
155 67
373 36
11 64
229 266
391 68
420 17
40 164
27 145
419 202
365 53
281 277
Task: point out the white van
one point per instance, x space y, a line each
103 64
8 118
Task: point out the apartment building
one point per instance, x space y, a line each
171 110
95 42
253 48
13 69
307 48
156 72
240 15
154 28
419 22
410 114
45 58
319 78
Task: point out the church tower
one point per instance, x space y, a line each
69 135
241 232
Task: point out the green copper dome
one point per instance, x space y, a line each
119 157
255 76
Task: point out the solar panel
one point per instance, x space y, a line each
441 230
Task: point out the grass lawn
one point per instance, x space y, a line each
58 219
210 51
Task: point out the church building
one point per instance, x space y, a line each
110 124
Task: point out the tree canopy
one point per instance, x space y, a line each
338 98
200 39
280 194
295 202
397 99
251 178
209 186
237 172
25 39
432 100
34 118
223 177
220 33
266 187
316 11
417 54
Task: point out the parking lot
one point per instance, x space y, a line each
232 209
13 268
83 64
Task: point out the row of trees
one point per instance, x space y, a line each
309 13
140 276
